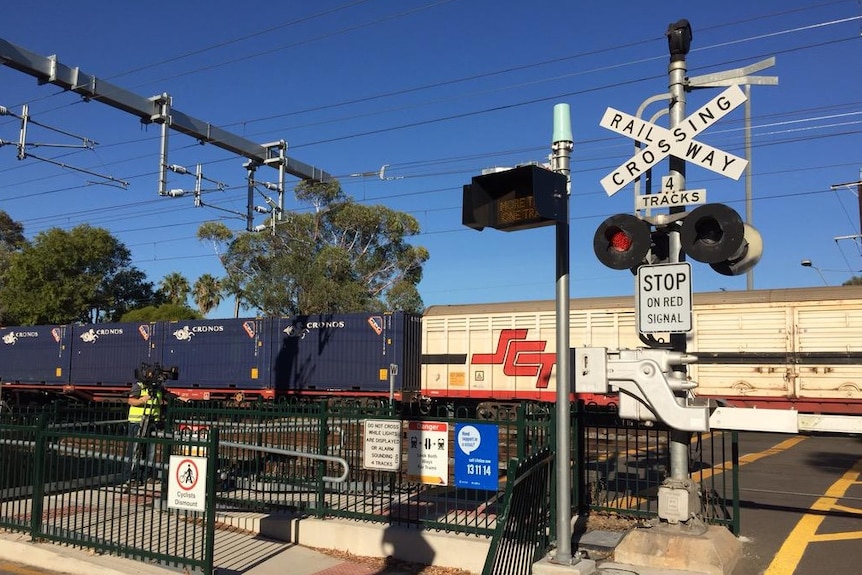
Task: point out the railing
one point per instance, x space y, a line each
521 537
626 463
71 489
308 460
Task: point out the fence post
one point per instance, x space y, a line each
319 510
40 453
552 432
210 507
578 463
734 450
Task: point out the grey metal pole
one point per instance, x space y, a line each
249 217
749 276
676 87
561 155
165 119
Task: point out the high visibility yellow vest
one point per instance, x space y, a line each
152 407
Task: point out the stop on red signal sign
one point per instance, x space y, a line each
664 298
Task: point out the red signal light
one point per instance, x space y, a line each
620 241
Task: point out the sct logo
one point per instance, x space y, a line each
520 357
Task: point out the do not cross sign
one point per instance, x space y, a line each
679 141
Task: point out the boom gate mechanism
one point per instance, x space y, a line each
646 383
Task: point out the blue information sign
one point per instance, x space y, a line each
477 456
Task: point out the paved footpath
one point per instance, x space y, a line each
236 553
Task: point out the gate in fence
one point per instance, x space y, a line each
521 537
70 484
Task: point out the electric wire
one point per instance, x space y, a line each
91 212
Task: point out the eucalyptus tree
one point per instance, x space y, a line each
338 256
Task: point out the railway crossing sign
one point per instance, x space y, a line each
428 452
679 142
664 298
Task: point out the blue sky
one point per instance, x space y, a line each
437 91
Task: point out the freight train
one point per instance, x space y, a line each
786 348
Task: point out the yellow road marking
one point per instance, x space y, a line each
634 501
747 458
788 557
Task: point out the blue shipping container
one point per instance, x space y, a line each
108 354
217 354
35 354
345 352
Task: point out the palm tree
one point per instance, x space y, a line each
207 293
176 288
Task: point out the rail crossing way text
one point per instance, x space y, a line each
679 141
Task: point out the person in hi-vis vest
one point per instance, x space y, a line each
146 410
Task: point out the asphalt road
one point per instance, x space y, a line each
801 504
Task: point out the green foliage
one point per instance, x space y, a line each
11 233
339 257
854 281
83 274
126 290
164 312
11 241
175 288
207 293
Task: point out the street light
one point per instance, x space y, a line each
809 264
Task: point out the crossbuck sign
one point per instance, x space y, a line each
679 141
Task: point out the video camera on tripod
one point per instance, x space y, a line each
153 376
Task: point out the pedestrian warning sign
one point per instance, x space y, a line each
187 483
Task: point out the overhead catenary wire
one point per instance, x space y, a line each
431 173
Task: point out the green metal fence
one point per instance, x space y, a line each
256 480
63 468
521 537
626 462
66 482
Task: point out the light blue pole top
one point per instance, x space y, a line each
562 123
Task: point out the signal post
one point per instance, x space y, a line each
653 382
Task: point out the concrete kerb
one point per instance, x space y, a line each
368 539
362 539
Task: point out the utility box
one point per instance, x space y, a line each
678 500
591 369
